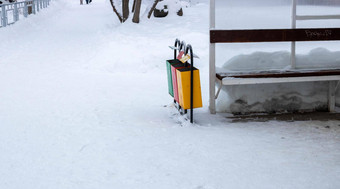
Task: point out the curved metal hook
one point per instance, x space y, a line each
177 43
183 46
189 48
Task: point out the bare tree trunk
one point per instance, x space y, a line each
133 6
153 8
115 11
137 11
126 10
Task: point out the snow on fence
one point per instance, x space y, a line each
10 12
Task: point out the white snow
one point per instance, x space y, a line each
84 104
319 58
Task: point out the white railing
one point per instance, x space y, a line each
10 12
295 18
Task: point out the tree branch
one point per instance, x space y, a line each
135 18
133 6
115 11
126 10
153 8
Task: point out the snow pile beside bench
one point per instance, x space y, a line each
286 97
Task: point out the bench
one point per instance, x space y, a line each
284 76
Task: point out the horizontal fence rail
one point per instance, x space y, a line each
11 12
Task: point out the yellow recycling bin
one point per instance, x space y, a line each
184 88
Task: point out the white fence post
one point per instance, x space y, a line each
212 66
16 13
3 16
293 44
25 9
37 4
33 6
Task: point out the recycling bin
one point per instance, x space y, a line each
184 88
169 75
175 67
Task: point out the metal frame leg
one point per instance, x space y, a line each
331 96
219 88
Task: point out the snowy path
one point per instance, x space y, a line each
83 104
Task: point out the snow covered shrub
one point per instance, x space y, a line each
169 6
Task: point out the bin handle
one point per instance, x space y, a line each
189 48
183 46
177 43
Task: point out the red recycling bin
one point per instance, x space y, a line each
175 67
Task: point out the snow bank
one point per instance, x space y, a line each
288 97
319 58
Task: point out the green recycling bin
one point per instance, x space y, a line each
169 63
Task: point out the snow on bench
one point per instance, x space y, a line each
240 78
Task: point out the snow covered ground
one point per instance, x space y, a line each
84 104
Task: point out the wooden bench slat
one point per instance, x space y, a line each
274 35
279 74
